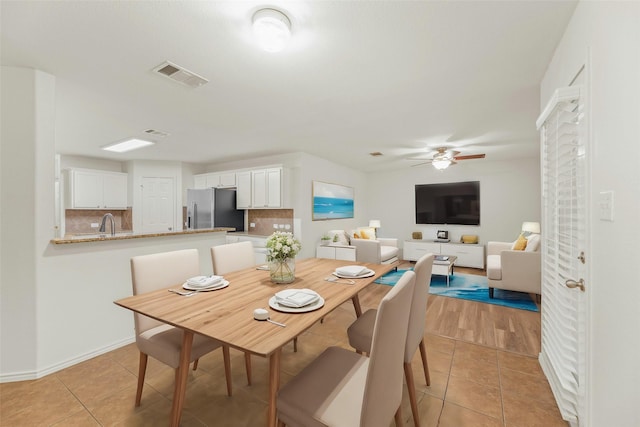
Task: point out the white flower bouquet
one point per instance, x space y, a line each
281 246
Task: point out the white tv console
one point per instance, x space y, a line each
469 255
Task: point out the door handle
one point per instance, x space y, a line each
573 284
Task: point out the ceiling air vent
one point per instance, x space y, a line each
180 74
156 132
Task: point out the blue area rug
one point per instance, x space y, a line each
469 287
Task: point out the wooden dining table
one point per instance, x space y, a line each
227 315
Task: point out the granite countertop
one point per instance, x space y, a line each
84 238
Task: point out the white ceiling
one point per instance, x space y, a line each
399 77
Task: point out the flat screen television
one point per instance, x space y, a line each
448 203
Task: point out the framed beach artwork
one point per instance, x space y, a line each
331 201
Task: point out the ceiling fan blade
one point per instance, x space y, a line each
453 153
423 163
469 157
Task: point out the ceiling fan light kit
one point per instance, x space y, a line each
443 158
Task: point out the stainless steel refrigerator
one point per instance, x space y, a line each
213 207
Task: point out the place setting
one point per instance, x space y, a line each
201 284
296 301
347 273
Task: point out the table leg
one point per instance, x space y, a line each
356 305
181 379
274 386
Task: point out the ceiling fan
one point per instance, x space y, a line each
444 158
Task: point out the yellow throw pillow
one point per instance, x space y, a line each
520 244
356 235
367 233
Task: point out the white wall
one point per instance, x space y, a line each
68 161
27 214
606 37
509 195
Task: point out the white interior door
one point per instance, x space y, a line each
158 202
565 249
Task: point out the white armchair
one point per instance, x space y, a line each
378 251
513 270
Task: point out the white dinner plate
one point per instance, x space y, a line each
369 273
313 306
215 287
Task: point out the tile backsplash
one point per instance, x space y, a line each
264 221
79 220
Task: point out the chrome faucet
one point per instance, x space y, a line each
103 227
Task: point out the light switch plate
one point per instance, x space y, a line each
605 205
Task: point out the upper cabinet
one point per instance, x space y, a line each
259 189
255 189
267 188
94 189
215 179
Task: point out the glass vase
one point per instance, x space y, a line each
282 270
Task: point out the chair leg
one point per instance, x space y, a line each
142 370
247 366
411 387
398 417
227 368
425 366
295 345
490 292
195 364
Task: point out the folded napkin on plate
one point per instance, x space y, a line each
296 298
352 270
204 281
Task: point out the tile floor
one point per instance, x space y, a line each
472 385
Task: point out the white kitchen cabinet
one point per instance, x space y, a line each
255 189
215 180
469 255
94 189
243 190
267 188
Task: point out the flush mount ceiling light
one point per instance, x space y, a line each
128 145
272 29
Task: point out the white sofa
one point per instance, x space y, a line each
376 250
512 269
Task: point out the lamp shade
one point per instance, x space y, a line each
374 223
531 227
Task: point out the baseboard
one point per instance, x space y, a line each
34 375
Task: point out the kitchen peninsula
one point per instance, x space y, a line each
84 238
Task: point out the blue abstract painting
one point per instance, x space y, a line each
332 201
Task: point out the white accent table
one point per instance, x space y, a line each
444 267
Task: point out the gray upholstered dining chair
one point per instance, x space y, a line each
160 340
234 257
361 330
346 389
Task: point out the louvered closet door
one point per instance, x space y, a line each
564 233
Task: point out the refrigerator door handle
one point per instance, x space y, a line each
195 215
